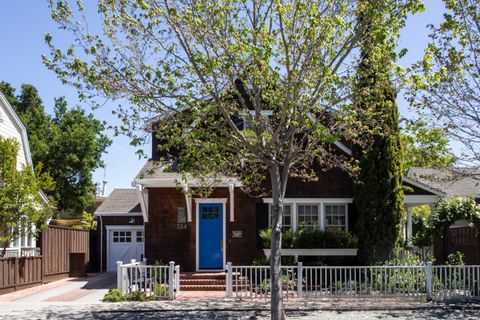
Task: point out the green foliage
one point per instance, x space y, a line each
113 295
68 146
88 221
449 211
21 205
158 262
161 291
261 262
456 259
444 84
378 193
445 214
310 239
425 146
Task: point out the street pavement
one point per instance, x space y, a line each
81 299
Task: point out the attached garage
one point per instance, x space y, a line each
120 231
124 244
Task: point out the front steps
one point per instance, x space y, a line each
211 281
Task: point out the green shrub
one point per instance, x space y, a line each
113 295
161 291
456 259
312 238
261 262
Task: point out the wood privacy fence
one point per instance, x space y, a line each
64 252
57 245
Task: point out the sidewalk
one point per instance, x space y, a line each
90 289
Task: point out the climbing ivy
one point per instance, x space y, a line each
447 212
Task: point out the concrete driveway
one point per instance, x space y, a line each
87 290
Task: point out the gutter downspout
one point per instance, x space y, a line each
101 243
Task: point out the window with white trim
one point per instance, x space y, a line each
286 218
139 236
308 216
122 236
336 217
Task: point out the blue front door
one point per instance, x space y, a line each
210 236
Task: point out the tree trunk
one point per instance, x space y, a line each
277 312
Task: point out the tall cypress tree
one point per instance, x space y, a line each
378 190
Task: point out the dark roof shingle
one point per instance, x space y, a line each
455 182
120 201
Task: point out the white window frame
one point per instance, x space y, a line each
291 215
345 205
321 202
318 205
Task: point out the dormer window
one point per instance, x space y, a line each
247 118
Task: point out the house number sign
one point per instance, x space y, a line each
237 234
181 226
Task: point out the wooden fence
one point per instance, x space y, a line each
19 273
59 245
464 239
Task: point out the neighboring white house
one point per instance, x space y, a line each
12 127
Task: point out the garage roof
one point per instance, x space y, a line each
120 202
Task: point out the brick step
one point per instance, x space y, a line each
202 275
201 282
203 288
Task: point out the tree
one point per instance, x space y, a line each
378 191
75 152
199 66
68 146
21 206
425 146
446 83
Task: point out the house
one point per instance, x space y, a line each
202 234
120 229
454 182
12 127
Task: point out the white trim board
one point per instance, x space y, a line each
223 201
121 214
423 186
312 200
420 199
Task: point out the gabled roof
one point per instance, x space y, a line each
120 202
21 128
454 182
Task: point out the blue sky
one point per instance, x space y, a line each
23 24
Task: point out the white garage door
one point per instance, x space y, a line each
124 245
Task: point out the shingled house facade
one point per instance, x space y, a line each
202 234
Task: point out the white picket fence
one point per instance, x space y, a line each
433 282
161 281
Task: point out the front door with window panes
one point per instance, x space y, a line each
124 245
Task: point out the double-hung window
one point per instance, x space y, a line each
308 216
336 217
286 219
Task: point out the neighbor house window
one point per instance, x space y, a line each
286 219
336 217
308 216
